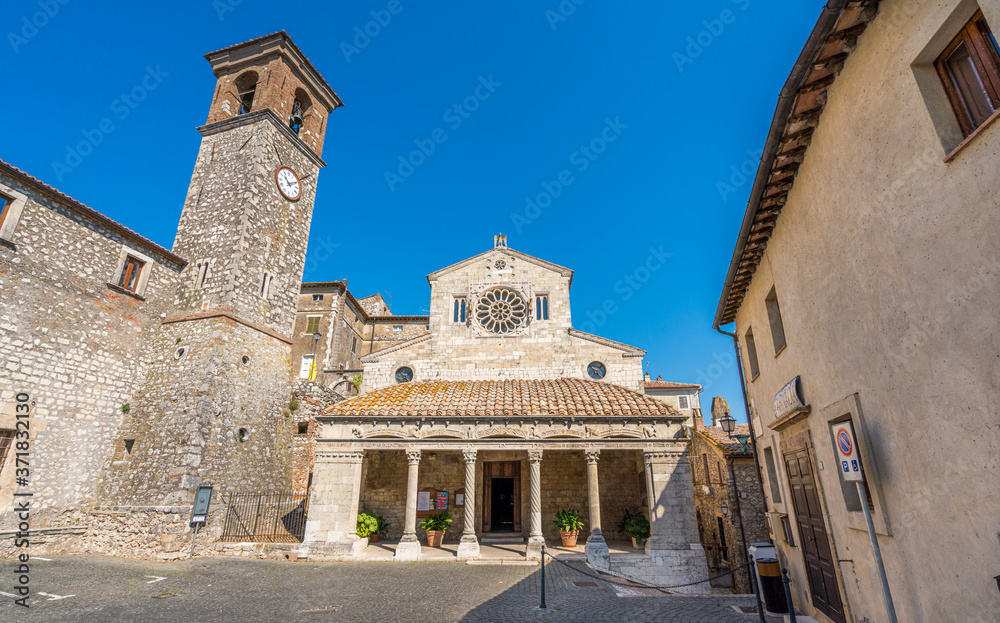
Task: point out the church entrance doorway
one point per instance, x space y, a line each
502 496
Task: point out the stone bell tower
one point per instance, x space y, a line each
210 410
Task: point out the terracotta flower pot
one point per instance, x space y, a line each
569 537
434 538
373 538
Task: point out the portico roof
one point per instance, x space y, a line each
566 397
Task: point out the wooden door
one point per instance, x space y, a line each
501 469
820 565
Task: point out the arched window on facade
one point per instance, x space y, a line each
246 87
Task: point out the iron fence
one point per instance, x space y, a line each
265 518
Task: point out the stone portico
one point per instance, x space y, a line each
599 462
504 414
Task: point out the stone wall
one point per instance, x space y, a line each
541 349
713 489
74 343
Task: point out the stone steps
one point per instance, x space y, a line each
502 539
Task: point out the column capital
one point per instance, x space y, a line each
469 455
534 456
339 455
413 456
664 456
592 456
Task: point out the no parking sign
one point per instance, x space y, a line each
847 452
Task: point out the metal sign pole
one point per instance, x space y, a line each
194 540
878 552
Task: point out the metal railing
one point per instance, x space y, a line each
265 518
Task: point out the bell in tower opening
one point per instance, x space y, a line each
295 121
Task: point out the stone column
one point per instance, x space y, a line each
332 524
409 547
673 529
535 537
469 545
597 549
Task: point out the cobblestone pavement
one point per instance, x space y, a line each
92 589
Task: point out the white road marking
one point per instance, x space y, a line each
55 597
7 594
40 558
158 578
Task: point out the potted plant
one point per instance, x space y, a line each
435 525
382 530
636 527
568 524
368 527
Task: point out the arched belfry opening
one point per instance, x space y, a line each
246 88
300 110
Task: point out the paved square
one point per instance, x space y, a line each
97 589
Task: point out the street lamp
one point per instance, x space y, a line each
725 509
728 423
316 337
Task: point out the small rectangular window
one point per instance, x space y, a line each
683 402
4 208
312 324
317 297
704 469
265 285
542 307
969 68
772 476
129 278
129 443
458 310
303 428
751 354
202 276
354 345
722 478
397 327
6 440
774 318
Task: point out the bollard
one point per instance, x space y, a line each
542 605
788 595
752 574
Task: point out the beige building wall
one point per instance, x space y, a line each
885 261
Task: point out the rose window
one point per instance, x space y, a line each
500 265
501 310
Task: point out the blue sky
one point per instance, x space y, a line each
624 124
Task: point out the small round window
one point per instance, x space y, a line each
245 360
596 370
242 435
181 352
404 375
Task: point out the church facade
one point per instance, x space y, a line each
132 374
508 414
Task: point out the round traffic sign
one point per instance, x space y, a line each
844 440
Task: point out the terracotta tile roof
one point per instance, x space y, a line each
721 439
504 398
670 385
88 212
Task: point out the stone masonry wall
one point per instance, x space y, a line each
544 349
73 343
236 219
